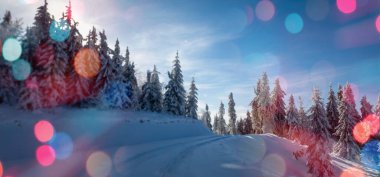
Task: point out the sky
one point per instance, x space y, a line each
226 45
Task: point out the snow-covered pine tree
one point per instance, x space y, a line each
264 105
348 98
151 97
340 93
248 128
366 107
206 118
222 121
216 124
292 120
317 152
232 115
129 76
8 86
146 90
346 147
257 121
332 112
174 98
42 21
303 122
117 62
105 75
191 106
278 109
377 108
240 126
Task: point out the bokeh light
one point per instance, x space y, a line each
63 145
12 49
31 1
21 69
99 164
377 23
44 131
265 10
294 23
45 155
317 10
119 159
370 154
346 6
59 30
362 132
352 172
273 165
87 63
1 169
374 123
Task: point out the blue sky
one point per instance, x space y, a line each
226 47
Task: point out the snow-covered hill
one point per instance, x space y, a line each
100 143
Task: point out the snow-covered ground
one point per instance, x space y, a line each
117 143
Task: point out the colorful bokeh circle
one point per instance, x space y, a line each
44 131
346 6
265 10
63 145
87 63
59 30
45 155
21 69
99 164
377 23
12 49
294 23
1 169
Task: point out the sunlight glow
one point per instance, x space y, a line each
346 6
362 132
265 10
44 131
294 23
45 155
21 69
352 172
99 164
374 123
12 49
87 63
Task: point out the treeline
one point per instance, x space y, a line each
70 70
335 127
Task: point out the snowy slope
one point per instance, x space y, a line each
143 144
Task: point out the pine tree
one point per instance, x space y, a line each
240 126
174 97
317 152
292 120
151 97
264 106
257 122
42 22
366 107
117 62
232 114
8 86
346 147
248 128
377 108
303 123
129 75
216 124
278 108
332 112
191 106
222 122
206 118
